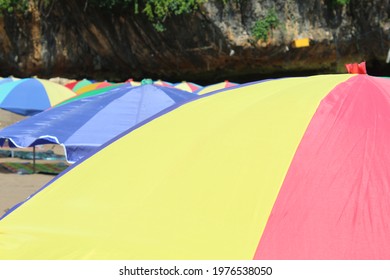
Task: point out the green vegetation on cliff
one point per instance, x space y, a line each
156 10
13 5
341 2
263 27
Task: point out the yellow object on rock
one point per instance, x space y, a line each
301 43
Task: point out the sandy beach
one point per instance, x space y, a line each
15 187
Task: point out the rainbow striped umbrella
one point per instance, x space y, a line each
295 168
92 93
75 85
30 96
71 84
93 86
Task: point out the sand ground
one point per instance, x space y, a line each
15 188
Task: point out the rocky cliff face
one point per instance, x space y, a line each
72 40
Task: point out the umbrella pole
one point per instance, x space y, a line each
34 159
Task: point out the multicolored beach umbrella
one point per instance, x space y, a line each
294 168
214 87
93 93
163 83
188 86
83 125
31 95
71 84
133 83
75 85
93 86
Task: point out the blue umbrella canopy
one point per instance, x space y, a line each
30 96
84 125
